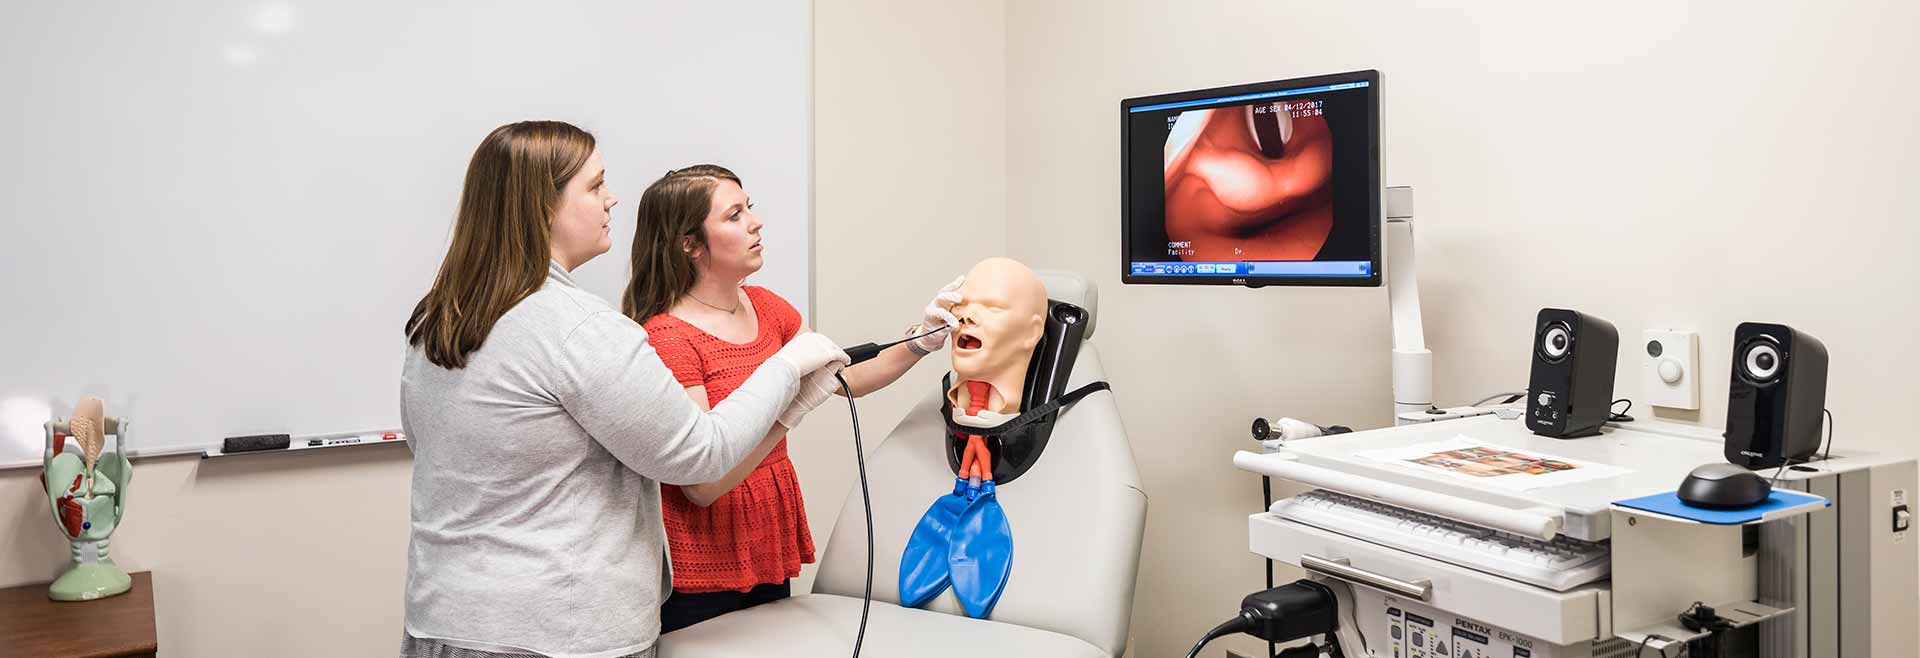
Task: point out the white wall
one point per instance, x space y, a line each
1659 164
300 167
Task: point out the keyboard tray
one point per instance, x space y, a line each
1566 617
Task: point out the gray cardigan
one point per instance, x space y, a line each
537 471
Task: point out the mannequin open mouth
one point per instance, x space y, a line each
966 342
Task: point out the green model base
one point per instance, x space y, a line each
86 582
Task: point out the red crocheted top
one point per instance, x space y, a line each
757 533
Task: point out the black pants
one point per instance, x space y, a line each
682 609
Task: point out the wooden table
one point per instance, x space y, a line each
33 626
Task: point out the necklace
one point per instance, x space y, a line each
730 311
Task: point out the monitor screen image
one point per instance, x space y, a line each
1274 183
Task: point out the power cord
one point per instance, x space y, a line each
1643 647
1511 397
1620 416
1701 617
1286 613
1697 617
1266 501
1824 455
1240 623
1775 480
866 502
1829 453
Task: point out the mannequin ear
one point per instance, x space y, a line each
1036 331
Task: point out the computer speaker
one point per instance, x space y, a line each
1570 392
1778 394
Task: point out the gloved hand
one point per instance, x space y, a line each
939 315
815 388
810 351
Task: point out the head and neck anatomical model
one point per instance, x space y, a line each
1002 314
965 538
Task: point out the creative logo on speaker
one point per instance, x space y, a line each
1752 454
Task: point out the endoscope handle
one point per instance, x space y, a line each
863 352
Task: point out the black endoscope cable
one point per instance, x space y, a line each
857 354
866 502
864 351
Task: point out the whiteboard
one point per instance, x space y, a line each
218 215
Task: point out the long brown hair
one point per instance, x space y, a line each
501 238
672 210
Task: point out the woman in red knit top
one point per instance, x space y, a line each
735 542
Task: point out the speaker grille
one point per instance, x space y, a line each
1555 342
1761 360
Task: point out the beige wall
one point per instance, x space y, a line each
1689 165
909 191
283 555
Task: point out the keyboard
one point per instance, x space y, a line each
1559 565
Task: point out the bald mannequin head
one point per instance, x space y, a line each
1002 313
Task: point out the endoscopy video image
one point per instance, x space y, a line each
1276 179
1250 182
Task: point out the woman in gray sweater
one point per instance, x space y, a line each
542 423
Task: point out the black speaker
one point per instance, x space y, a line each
1778 394
1570 393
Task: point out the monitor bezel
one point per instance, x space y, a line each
1373 279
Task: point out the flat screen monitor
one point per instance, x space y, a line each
1275 183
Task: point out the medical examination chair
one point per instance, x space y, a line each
1077 517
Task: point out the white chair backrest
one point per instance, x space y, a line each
1077 516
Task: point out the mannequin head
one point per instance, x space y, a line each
1002 313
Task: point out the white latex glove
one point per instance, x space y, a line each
815 388
938 315
810 351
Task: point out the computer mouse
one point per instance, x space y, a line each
1723 486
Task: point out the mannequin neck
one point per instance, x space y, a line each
1006 394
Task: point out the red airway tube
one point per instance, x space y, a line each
976 458
977 393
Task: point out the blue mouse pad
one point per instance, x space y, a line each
1669 504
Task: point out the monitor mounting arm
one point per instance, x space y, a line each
1412 362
